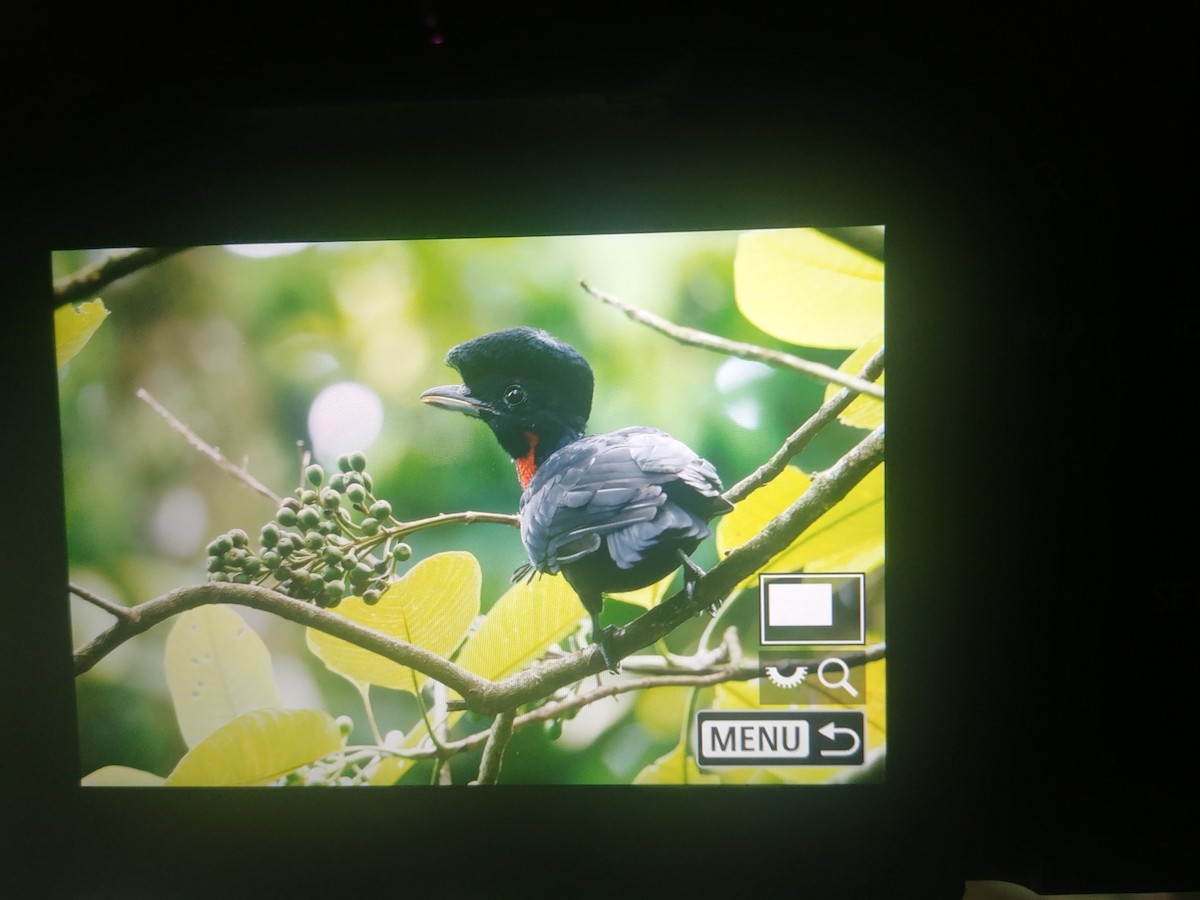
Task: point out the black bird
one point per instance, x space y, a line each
613 512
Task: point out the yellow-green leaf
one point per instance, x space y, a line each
806 288
257 748
389 771
675 767
530 617
217 668
432 606
863 411
848 538
74 325
121 776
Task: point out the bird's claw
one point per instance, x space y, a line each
601 638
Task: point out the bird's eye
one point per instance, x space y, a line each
515 395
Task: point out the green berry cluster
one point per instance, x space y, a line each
333 538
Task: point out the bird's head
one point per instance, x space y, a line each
532 390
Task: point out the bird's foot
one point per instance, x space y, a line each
602 638
691 574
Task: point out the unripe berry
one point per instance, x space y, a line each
381 509
314 475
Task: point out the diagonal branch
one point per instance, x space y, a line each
662 676
488 697
91 280
799 439
697 338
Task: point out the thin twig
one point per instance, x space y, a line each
468 517
89 281
799 439
670 678
697 338
123 613
493 750
208 450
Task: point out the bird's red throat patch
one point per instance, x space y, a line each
526 465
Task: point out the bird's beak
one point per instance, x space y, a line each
455 397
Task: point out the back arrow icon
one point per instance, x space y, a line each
831 732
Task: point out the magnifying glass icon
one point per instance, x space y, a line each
841 682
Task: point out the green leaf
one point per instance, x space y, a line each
806 288
675 767
217 668
847 538
863 411
257 748
74 325
432 606
530 616
121 776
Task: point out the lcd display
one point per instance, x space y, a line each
592 509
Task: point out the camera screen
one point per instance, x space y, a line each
581 509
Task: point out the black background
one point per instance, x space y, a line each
1030 169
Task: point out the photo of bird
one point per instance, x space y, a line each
612 512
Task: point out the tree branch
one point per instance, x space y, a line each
697 338
489 697
146 615
493 750
480 694
799 439
89 281
675 677
122 613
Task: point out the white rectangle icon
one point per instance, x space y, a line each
791 604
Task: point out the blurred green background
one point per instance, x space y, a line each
240 342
